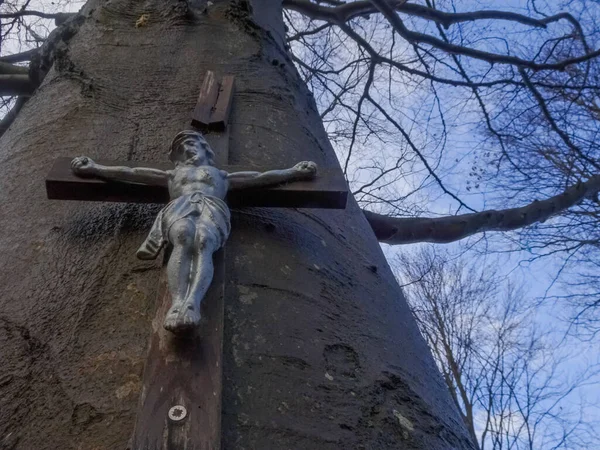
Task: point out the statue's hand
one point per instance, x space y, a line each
306 169
83 165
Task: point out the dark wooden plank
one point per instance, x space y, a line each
220 115
328 190
206 101
184 372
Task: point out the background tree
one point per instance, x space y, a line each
513 385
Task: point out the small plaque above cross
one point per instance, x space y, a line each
183 371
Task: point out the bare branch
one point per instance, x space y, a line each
20 57
347 11
58 17
15 85
414 148
407 230
416 37
9 69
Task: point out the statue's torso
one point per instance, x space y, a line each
207 180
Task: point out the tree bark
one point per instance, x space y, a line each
321 350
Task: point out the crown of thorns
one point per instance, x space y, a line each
182 136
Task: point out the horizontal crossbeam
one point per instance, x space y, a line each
328 190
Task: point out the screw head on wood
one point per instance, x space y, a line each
177 413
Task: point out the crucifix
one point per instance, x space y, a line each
180 404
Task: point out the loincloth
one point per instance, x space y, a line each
209 213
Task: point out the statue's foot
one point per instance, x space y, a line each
182 319
171 318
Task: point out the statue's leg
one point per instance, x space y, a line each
201 277
179 268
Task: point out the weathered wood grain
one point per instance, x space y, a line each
206 101
220 114
184 371
214 103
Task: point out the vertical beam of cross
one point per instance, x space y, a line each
180 404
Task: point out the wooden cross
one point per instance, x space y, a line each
180 405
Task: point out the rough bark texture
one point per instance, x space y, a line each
321 350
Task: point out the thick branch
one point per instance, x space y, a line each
546 112
347 11
20 57
62 18
58 17
9 69
416 37
15 85
403 230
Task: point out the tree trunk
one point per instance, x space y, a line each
321 350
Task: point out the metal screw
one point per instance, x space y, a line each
177 413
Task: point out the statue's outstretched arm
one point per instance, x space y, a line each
86 167
304 170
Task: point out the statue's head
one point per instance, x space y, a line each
190 147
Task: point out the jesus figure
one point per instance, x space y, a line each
197 220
